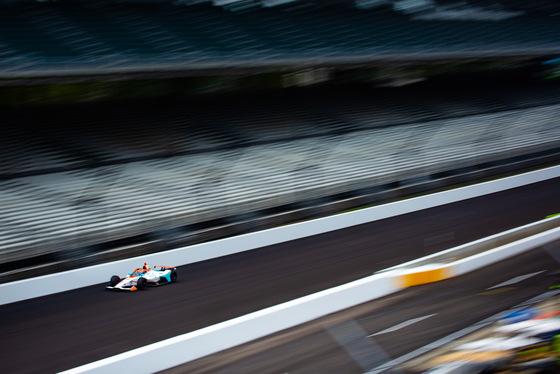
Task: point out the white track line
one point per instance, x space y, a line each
402 325
515 280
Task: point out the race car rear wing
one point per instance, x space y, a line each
164 267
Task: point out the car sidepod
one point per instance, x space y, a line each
165 276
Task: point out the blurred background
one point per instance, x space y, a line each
131 127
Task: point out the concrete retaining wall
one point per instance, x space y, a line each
484 245
477 261
472 256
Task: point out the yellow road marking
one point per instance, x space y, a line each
497 290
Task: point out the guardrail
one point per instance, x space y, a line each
73 279
191 346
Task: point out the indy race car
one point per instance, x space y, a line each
143 277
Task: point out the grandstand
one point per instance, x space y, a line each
77 179
82 37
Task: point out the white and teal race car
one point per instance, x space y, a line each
143 277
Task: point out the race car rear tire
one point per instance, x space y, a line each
115 279
173 276
142 283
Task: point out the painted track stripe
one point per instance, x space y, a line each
402 325
516 280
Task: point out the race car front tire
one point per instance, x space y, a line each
173 276
115 279
142 283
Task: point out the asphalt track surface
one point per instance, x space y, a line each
66 330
